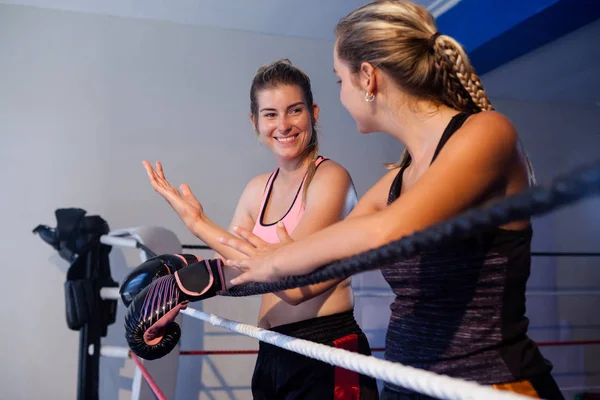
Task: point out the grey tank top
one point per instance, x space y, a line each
460 310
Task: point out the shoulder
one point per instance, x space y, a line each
491 119
489 128
331 172
254 191
331 182
329 166
331 191
257 185
485 134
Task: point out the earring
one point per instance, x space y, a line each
369 97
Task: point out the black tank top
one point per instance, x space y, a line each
460 310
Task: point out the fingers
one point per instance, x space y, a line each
186 191
238 245
157 178
149 171
147 167
253 275
239 264
249 237
282 233
157 175
246 277
159 170
250 273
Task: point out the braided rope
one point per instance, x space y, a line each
432 384
565 189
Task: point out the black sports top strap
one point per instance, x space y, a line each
455 123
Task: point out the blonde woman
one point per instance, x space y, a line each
459 310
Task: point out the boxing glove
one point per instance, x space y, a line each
150 329
150 270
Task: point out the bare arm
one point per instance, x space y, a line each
191 212
375 199
330 198
209 232
474 160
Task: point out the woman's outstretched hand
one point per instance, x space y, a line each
259 266
183 201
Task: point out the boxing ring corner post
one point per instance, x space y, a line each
156 378
117 241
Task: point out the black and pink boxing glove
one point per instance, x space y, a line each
150 270
150 329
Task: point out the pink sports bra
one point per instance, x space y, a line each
268 232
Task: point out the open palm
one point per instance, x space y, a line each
183 201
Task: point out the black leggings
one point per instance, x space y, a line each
284 375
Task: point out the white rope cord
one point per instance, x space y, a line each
422 381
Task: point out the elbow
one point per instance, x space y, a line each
293 299
386 233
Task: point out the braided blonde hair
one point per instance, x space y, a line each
401 38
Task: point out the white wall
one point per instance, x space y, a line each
83 99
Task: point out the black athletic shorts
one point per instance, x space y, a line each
284 375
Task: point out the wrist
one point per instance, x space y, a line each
198 224
276 264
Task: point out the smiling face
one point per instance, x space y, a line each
284 122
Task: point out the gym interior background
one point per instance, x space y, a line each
90 89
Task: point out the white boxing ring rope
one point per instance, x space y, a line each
412 378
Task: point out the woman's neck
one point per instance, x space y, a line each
292 169
419 128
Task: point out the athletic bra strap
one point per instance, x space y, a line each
269 184
267 190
